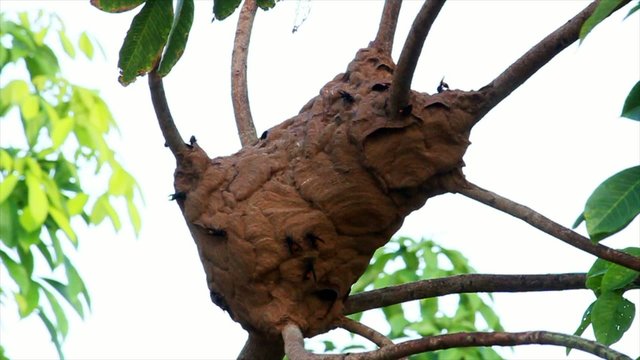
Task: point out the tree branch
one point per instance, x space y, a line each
169 130
259 348
364 331
467 283
387 28
294 344
239 91
534 59
473 339
547 225
403 75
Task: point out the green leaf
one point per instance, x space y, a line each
28 300
578 221
72 298
63 222
66 44
328 345
595 274
62 324
76 205
9 223
17 271
13 94
613 204
103 208
584 323
60 130
116 6
633 9
30 107
604 9
134 216
43 62
617 276
490 316
85 45
38 203
53 332
121 183
223 8
266 4
7 185
6 161
177 37
612 315
145 40
631 107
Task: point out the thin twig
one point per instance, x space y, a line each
534 59
403 75
387 28
364 331
239 90
457 284
169 130
547 225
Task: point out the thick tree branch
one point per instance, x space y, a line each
294 344
239 91
467 283
534 59
387 27
169 130
364 331
403 75
259 348
547 225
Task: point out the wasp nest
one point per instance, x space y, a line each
284 227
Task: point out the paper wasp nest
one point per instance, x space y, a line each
286 226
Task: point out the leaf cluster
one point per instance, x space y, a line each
405 260
41 193
158 34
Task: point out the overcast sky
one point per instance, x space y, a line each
547 146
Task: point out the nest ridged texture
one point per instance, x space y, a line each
284 227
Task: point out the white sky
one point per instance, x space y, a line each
547 146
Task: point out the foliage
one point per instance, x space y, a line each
41 193
611 315
158 37
609 209
602 11
613 204
405 260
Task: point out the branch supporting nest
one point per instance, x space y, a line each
239 88
402 77
550 227
534 59
387 27
170 132
467 283
294 344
